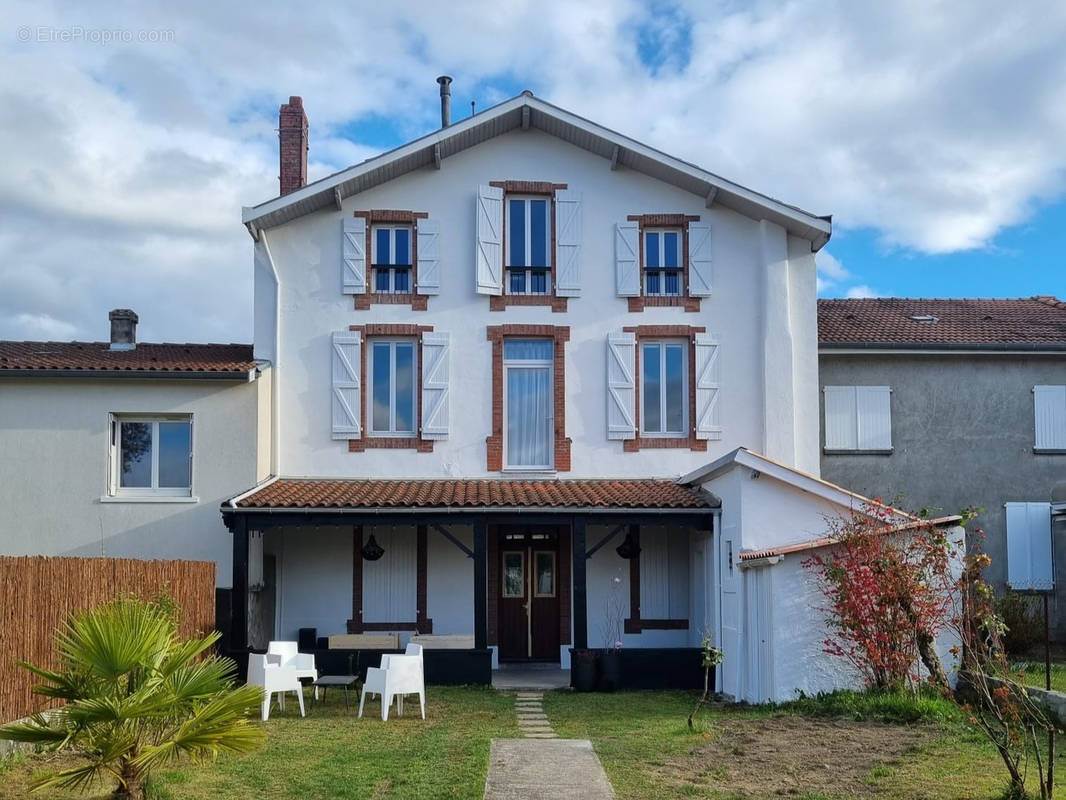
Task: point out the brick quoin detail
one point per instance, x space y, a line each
679 221
418 302
687 332
367 442
560 334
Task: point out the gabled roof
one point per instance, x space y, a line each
98 360
527 111
903 323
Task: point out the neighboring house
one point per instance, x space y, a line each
953 404
123 448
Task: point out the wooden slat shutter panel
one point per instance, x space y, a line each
353 268
346 363
1050 405
627 259
708 387
874 411
435 391
1029 560
568 243
390 584
841 425
699 259
489 247
428 240
621 385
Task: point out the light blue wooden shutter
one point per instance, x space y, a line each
1030 566
708 388
621 385
627 259
699 259
353 245
489 245
1050 405
568 243
435 390
428 238
346 367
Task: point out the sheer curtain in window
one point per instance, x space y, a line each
529 403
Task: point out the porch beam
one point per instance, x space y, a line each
604 541
581 611
481 594
239 593
451 537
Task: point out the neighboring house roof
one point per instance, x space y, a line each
97 359
897 323
527 111
289 493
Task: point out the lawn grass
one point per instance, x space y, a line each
332 754
1033 674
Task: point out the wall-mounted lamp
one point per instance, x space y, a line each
372 551
628 549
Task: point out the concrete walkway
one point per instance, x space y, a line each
555 769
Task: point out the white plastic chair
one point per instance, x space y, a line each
397 676
303 663
266 672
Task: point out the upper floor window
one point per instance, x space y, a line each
663 388
528 245
1049 403
858 418
393 380
528 402
663 265
392 259
151 456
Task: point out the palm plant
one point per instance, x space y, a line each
137 696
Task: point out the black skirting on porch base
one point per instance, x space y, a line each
662 668
443 667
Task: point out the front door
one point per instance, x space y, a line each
529 596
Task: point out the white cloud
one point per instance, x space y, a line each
126 165
862 290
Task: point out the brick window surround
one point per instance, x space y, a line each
422 622
501 301
688 333
560 334
680 222
418 302
563 582
366 442
634 623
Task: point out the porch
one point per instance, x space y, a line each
482 573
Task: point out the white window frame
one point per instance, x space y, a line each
392 432
115 488
528 228
378 266
685 389
663 271
549 364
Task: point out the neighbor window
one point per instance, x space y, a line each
1049 403
392 387
528 403
858 418
663 389
662 262
528 245
392 259
152 456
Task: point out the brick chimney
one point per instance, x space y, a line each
123 329
292 150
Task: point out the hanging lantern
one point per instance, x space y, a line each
372 551
628 549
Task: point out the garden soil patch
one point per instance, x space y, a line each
785 756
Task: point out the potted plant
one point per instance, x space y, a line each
610 677
583 669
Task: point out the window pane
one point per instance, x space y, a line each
381 386
136 448
527 349
517 232
402 246
528 416
651 250
512 575
402 280
675 398
382 241
518 281
672 283
405 387
175 455
653 283
545 574
670 249
538 283
538 233
652 410
381 280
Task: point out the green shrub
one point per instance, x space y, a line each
1022 615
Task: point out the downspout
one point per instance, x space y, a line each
275 415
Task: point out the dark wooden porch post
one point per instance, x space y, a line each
239 593
481 613
581 611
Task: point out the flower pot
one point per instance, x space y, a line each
583 670
610 670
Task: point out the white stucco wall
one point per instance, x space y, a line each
54 468
307 255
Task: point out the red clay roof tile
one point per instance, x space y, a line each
147 357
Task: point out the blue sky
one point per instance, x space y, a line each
935 139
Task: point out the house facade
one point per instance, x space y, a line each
953 404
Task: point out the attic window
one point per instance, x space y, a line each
927 319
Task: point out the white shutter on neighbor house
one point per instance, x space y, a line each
621 385
699 259
840 418
428 245
353 269
435 373
708 388
489 240
568 243
627 259
346 360
1029 556
874 407
1050 405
